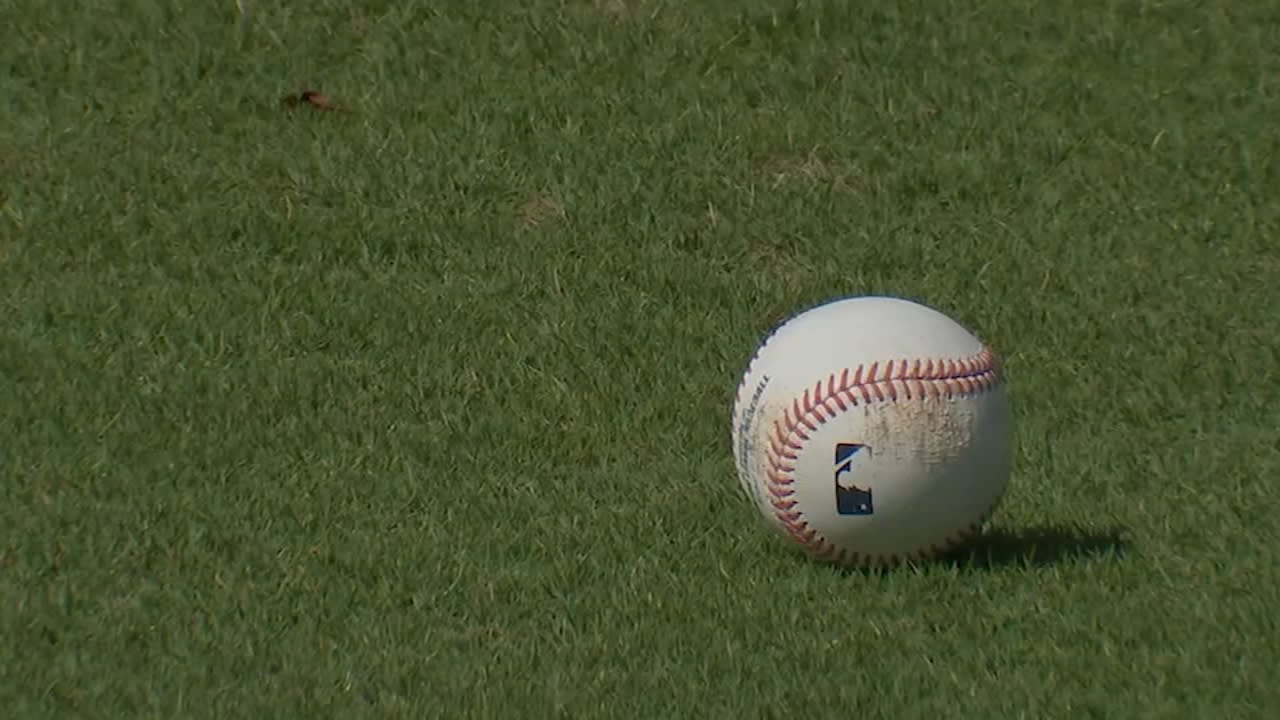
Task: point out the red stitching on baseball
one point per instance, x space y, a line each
895 381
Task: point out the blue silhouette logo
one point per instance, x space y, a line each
850 499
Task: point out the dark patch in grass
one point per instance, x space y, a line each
1036 547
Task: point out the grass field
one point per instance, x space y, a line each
421 410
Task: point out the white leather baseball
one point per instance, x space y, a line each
872 431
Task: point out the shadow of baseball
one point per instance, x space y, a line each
1036 547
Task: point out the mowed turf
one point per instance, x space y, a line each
422 410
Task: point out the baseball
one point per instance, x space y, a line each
872 431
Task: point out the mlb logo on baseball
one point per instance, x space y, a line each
851 499
873 430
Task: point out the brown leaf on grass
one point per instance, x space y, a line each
630 9
809 167
313 100
540 209
616 8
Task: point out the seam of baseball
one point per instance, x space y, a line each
892 381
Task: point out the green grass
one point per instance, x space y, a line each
422 410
